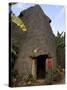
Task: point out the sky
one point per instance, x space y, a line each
55 12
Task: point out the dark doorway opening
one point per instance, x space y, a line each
41 66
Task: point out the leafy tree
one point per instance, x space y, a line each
60 44
60 39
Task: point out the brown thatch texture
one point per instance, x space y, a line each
39 36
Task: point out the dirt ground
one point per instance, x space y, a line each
62 81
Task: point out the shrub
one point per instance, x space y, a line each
31 80
56 75
53 76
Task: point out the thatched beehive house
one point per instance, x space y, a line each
38 41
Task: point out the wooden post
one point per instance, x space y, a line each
34 69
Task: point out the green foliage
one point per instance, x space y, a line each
49 79
13 51
60 39
14 54
30 77
56 74
18 22
16 19
53 76
31 80
60 49
20 80
14 74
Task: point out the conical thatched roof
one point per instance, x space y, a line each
39 38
